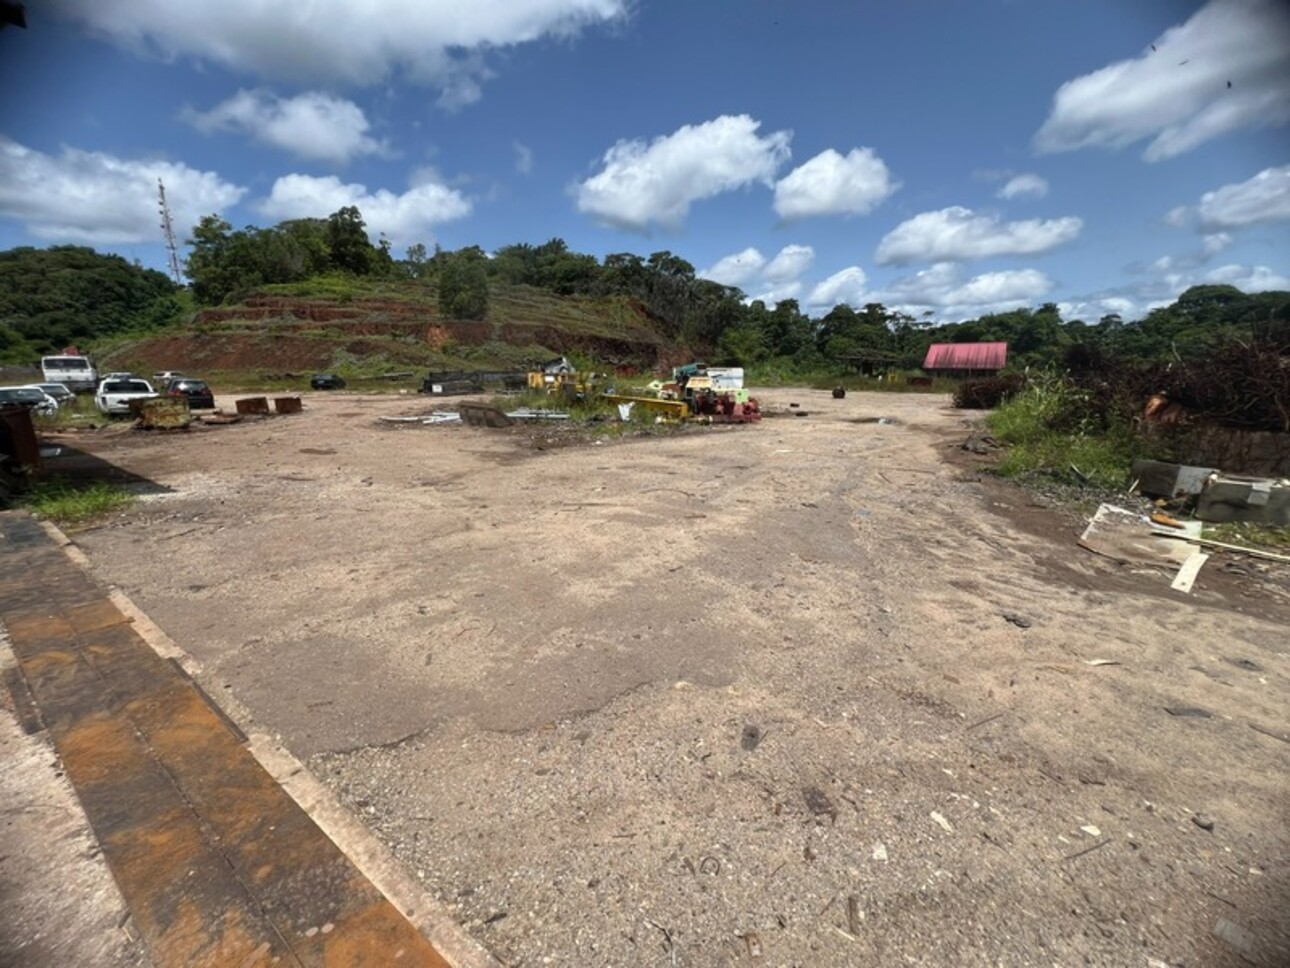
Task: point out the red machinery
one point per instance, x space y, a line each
712 406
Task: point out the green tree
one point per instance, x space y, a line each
416 264
347 241
207 265
72 294
463 284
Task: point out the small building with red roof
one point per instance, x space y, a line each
965 359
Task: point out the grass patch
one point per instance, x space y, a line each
65 503
1050 433
1250 535
78 412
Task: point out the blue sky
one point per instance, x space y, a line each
943 156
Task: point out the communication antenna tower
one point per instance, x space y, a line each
168 230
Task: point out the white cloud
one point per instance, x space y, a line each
774 295
404 219
440 42
831 184
789 263
655 183
957 233
1024 186
523 158
1178 216
1166 280
942 287
1010 286
1225 69
1216 243
1090 310
1248 278
86 196
772 279
311 125
846 286
1263 198
736 269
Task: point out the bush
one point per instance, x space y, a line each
988 393
1057 428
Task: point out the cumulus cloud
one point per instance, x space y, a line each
789 263
834 184
1024 186
1166 279
774 295
404 218
440 42
642 184
845 286
98 198
1263 198
1249 278
1225 69
1216 243
770 279
311 125
736 269
523 158
1092 309
942 287
958 234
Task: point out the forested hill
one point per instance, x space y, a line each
65 294
50 298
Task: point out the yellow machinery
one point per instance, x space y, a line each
676 409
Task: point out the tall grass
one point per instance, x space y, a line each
80 411
1053 429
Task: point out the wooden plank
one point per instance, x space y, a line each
1211 543
1186 576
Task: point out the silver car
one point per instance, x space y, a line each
33 398
59 391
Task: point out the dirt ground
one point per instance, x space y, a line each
735 696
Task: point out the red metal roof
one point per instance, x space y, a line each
966 356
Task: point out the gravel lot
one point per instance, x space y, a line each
738 695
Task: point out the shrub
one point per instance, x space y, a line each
988 392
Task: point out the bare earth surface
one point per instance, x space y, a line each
738 695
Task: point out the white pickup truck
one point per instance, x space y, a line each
118 389
75 372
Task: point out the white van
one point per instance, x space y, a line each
75 372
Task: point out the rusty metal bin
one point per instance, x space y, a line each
253 405
163 413
19 446
287 404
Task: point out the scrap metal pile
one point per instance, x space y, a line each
696 391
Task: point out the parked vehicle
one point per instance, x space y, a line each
76 372
327 381
59 391
199 394
33 398
116 392
164 378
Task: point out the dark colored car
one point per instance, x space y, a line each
199 394
327 381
